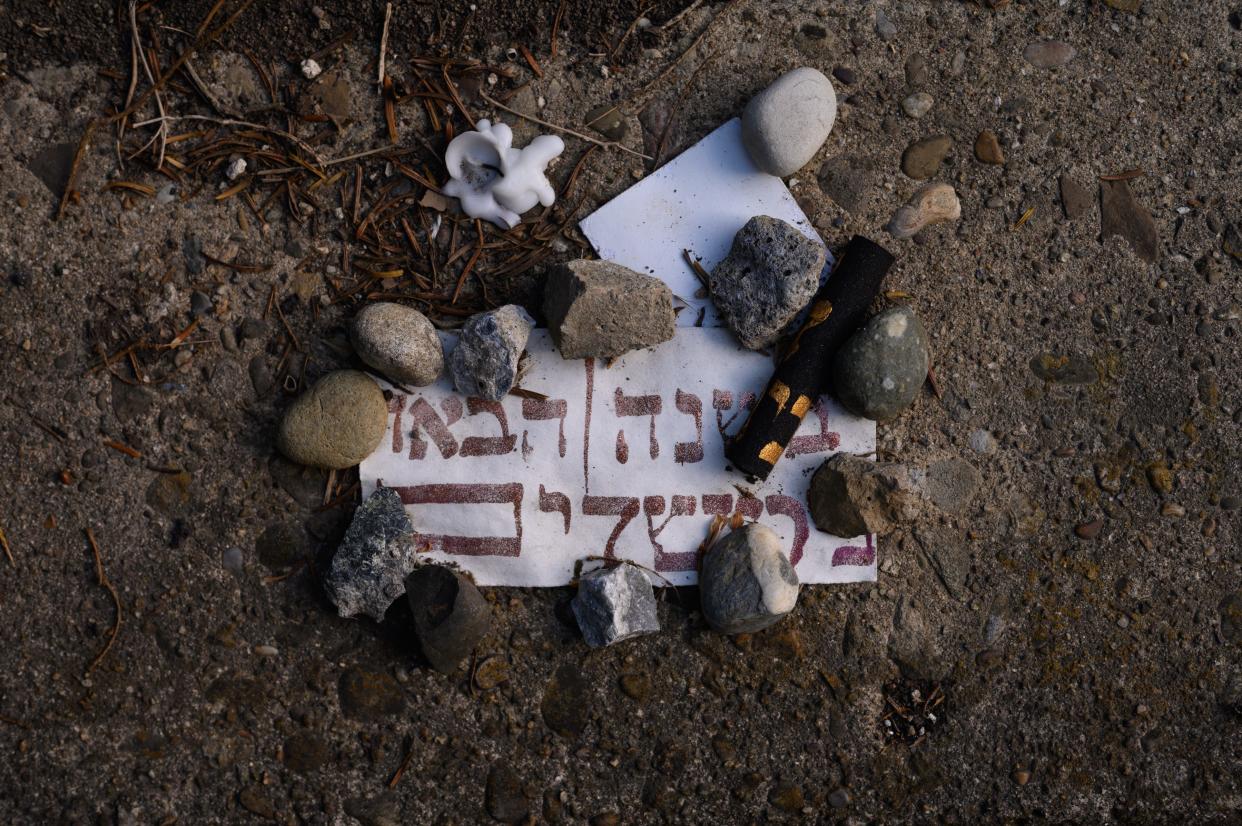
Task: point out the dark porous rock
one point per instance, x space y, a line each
450 615
614 604
1075 199
880 369
851 496
369 696
923 157
770 273
746 582
485 362
845 181
503 795
399 342
367 572
1121 214
598 309
566 703
1064 369
337 423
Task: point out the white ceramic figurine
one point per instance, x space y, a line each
496 182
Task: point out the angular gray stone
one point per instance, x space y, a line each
337 423
1048 54
879 370
614 604
450 615
851 496
770 273
785 125
398 342
485 362
746 582
598 309
367 572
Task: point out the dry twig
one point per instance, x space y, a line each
116 601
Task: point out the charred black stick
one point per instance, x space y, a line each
803 374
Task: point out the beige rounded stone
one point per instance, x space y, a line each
337 423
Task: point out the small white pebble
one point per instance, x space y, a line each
311 69
235 169
266 650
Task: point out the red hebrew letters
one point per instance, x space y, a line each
650 405
489 445
554 503
672 561
626 507
684 452
823 442
538 410
469 494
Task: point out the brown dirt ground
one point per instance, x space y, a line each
1085 680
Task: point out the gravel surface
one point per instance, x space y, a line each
1067 648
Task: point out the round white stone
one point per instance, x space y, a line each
785 125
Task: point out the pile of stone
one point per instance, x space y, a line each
602 310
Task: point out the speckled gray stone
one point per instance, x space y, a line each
614 604
598 309
450 615
399 343
746 582
336 424
485 362
785 125
367 572
770 273
879 370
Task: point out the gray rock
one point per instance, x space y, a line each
746 582
450 615
785 125
399 342
770 273
233 560
1048 54
367 573
879 370
918 104
337 423
950 484
851 496
1121 214
886 29
485 361
912 644
845 180
923 157
614 604
598 309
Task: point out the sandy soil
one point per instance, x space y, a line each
1081 618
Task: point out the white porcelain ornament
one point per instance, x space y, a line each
496 182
